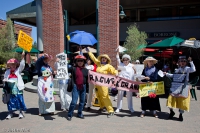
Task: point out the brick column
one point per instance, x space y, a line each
109 28
53 27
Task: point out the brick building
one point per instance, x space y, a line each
56 18
17 27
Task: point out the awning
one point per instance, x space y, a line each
24 14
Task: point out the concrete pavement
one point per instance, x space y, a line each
99 123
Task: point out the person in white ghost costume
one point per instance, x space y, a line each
65 96
90 66
128 73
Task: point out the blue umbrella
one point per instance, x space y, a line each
82 38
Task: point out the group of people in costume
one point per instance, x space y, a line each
79 84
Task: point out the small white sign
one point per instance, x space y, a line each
62 71
160 73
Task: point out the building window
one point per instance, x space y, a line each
187 12
149 13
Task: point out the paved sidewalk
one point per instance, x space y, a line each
99 123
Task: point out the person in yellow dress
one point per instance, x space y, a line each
104 66
180 102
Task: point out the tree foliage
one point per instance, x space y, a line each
134 40
7 42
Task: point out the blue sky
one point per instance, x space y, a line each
7 5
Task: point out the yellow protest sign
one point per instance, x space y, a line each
24 41
155 87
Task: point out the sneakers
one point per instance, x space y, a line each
110 114
21 115
63 110
9 116
117 110
69 118
155 115
171 114
81 117
142 115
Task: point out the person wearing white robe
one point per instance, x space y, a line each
65 96
128 73
89 66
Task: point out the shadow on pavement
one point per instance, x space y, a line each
128 114
64 113
32 111
48 117
3 115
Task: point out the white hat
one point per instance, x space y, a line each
126 56
137 61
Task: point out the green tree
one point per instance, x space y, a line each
7 42
134 40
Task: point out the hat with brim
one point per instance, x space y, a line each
80 57
106 56
12 61
150 59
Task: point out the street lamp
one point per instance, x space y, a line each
122 14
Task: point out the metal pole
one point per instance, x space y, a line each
97 25
39 25
66 32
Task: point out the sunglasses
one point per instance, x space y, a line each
79 60
125 60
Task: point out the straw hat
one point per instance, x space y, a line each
106 56
150 59
12 61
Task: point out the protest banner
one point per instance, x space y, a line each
154 87
24 41
112 81
62 71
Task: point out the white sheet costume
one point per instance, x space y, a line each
91 88
128 73
65 96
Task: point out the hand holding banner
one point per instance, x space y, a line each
25 41
112 81
155 87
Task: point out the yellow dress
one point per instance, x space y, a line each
179 102
104 99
